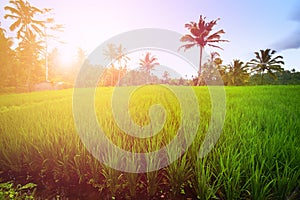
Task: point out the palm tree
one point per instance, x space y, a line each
148 63
166 75
237 73
23 14
7 59
116 53
213 56
212 67
29 51
200 36
122 61
264 62
49 24
121 57
28 27
111 54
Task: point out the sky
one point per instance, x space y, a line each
249 25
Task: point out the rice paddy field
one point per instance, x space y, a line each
256 157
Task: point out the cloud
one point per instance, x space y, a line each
290 42
295 13
293 40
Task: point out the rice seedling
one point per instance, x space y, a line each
256 156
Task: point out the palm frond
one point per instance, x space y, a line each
12 10
201 23
187 46
195 31
211 45
216 35
38 22
187 38
15 25
36 29
275 60
190 25
11 16
209 41
36 10
273 52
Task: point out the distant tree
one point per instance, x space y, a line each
201 36
29 31
213 56
54 65
30 62
237 73
110 54
211 67
122 61
49 28
264 62
166 76
115 54
147 64
7 65
80 59
81 56
283 78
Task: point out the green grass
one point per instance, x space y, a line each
256 156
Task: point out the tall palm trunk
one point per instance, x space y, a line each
112 80
262 78
119 76
200 67
46 56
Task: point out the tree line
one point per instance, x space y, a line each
24 57
25 60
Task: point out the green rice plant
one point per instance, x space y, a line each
154 178
132 179
19 192
256 156
231 173
286 180
260 183
178 175
204 181
113 178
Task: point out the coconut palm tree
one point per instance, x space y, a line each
116 53
264 61
201 36
28 27
212 67
148 63
166 76
121 57
110 54
28 52
7 59
237 73
24 15
122 61
213 56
